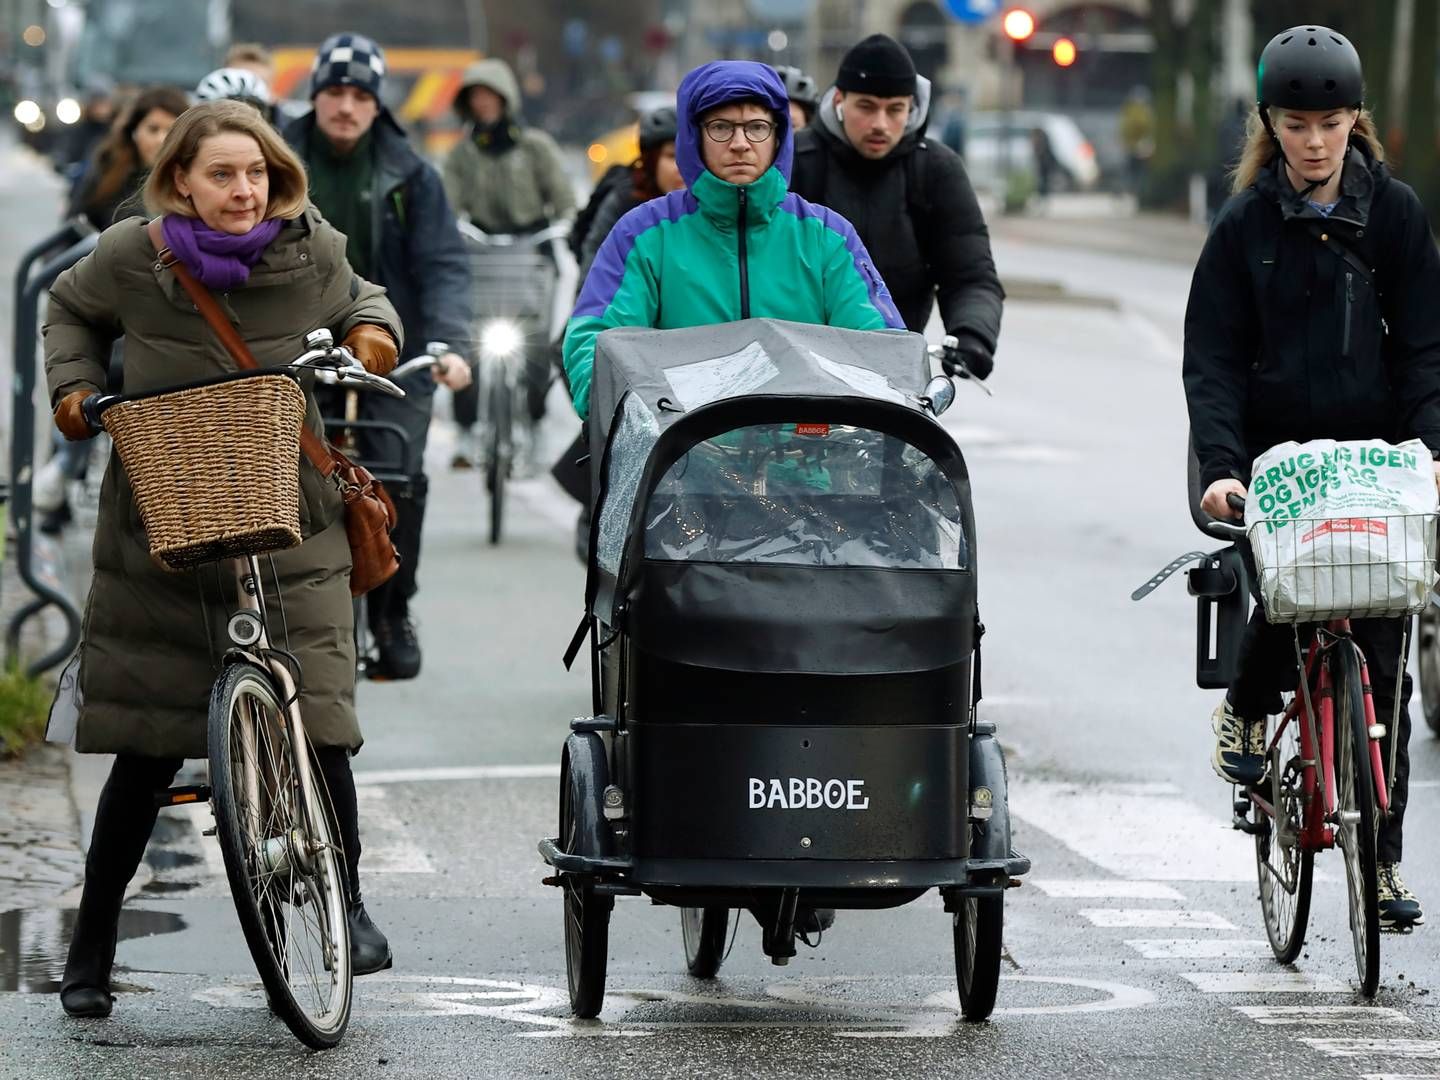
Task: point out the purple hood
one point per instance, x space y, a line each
718 83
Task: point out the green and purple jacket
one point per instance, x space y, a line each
717 252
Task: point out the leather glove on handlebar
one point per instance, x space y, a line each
71 418
974 354
374 347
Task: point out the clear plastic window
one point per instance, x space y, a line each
630 444
807 495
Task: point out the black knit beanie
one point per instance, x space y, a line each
879 65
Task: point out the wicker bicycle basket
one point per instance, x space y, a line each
215 469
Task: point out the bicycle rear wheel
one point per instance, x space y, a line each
1356 828
283 865
1286 868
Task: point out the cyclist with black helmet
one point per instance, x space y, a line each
653 174
804 94
1312 315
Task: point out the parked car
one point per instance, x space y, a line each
1001 144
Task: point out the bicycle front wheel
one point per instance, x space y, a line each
1357 818
284 867
1285 866
501 450
705 933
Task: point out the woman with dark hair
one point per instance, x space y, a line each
653 174
122 160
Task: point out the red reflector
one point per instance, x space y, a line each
821 430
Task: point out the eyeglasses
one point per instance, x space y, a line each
723 131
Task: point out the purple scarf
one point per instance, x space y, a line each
220 260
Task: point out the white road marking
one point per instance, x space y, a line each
1143 832
1400 1076
1156 918
1418 1049
372 778
1199 948
1321 1015
1104 889
1263 982
386 846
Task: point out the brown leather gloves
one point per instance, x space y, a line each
70 418
374 347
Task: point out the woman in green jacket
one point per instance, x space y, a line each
736 243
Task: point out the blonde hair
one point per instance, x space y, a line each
249 52
1259 149
288 184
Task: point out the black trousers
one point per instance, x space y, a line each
392 600
1268 669
125 818
540 362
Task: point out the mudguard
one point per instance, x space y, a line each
585 772
989 796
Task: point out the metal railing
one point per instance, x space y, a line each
38 269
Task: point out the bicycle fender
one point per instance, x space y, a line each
1168 572
585 772
989 796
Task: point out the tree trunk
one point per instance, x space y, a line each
1420 111
1163 186
1202 58
1376 43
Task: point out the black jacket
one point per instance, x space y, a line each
1288 338
419 256
916 213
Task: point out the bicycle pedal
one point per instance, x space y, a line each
183 796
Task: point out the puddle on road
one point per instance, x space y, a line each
34 941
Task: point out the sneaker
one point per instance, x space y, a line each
1399 907
466 450
397 648
1239 748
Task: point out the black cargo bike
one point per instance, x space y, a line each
784 645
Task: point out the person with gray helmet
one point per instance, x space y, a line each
237 84
867 157
401 233
804 95
506 177
1312 316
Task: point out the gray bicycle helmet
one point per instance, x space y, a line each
799 87
235 84
1310 68
658 126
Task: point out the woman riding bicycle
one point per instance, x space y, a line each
1312 315
233 198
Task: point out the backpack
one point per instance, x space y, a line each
615 176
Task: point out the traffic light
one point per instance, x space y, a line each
1018 25
1063 52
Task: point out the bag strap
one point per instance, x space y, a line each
310 443
1337 245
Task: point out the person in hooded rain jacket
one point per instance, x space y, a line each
736 243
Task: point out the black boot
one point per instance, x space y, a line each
369 949
124 819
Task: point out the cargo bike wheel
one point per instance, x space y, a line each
705 932
587 919
274 823
979 929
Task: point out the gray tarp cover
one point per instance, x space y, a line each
693 366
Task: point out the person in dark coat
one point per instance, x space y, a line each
867 157
391 205
1312 315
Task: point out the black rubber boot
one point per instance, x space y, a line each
124 819
369 948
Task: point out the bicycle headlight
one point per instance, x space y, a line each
501 339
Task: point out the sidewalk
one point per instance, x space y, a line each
1143 235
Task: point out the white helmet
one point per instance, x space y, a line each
234 84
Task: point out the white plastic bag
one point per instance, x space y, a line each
1343 529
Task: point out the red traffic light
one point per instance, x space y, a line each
1018 24
1064 52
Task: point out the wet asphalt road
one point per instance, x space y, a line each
1136 950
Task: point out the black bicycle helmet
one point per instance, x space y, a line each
658 126
799 87
1310 68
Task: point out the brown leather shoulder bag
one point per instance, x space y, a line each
369 513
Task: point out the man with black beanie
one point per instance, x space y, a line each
867 157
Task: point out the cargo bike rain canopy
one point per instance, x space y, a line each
774 497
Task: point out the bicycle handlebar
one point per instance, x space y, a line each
1230 530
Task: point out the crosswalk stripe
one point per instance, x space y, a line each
1426 1049
1199 948
1104 889
1322 1015
1263 982
1156 918
385 844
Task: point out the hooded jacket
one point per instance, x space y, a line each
916 212
521 187
716 252
1285 338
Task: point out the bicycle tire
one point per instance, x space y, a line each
1285 921
255 827
1356 828
587 925
1428 665
501 444
979 928
704 932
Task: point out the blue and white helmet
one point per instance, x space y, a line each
348 60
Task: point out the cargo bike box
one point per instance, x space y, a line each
784 642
